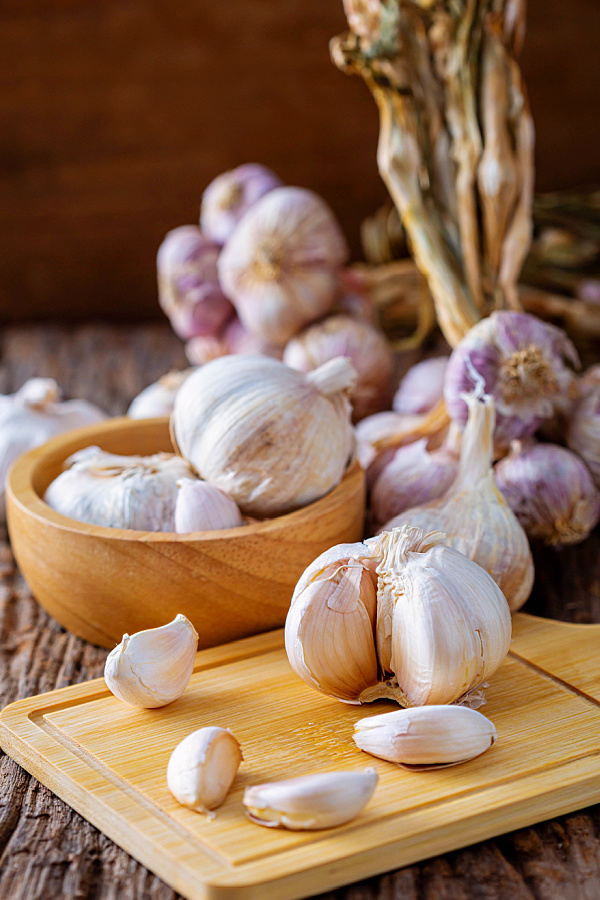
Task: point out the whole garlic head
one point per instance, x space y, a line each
272 438
202 768
583 432
422 387
158 398
152 668
280 266
229 197
137 492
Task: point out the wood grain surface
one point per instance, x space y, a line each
47 851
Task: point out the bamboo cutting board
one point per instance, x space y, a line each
108 762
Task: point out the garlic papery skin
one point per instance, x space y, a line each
522 361
202 507
473 513
551 492
364 345
280 265
158 398
311 802
229 197
272 438
188 284
422 387
583 431
426 736
202 768
152 668
112 491
32 416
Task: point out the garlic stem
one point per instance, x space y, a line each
334 376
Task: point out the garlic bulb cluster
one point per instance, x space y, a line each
234 338
551 492
402 616
583 431
230 195
202 768
158 398
202 507
473 513
114 491
422 387
522 361
152 668
280 265
32 416
364 345
272 438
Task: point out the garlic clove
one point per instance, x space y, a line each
311 802
152 668
202 507
426 736
202 768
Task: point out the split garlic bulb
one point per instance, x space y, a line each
272 438
364 345
32 416
153 667
522 361
202 768
583 431
473 513
229 197
402 616
202 507
551 492
158 399
188 283
114 491
280 266
422 387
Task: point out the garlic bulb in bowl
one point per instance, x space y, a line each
280 266
158 398
272 438
230 195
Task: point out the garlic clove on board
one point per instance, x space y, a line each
202 768
202 507
426 736
311 802
153 667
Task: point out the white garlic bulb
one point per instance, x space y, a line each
152 668
422 387
32 416
402 616
137 492
202 507
202 768
158 398
229 197
280 266
272 438
310 802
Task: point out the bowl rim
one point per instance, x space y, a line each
21 493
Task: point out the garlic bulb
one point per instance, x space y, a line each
402 616
188 284
426 737
583 432
32 416
234 338
202 507
280 265
229 197
522 361
310 802
202 768
270 437
473 513
114 491
152 668
551 492
364 345
158 398
422 387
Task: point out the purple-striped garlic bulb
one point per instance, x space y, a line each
583 431
188 284
280 266
522 361
229 197
234 338
387 426
422 387
551 492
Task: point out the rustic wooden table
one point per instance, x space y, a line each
48 851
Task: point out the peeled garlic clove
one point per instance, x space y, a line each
583 432
311 802
158 399
422 387
202 507
229 197
152 668
202 768
426 736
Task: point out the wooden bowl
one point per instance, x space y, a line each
101 583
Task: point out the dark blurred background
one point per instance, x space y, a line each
114 115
